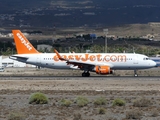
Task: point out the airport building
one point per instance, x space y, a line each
1 67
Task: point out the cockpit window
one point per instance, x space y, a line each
146 58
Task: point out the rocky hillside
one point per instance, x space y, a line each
75 13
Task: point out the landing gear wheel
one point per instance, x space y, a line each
135 73
87 74
83 74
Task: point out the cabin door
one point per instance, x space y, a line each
135 61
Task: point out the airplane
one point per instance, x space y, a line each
101 63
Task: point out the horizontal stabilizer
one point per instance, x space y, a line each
14 57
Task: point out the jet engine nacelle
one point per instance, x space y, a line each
103 70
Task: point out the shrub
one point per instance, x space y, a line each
134 114
81 101
65 102
16 116
119 102
38 98
100 101
101 110
142 102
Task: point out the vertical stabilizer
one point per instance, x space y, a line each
23 46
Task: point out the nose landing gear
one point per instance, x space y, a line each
135 73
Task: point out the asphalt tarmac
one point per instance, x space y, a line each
79 78
52 74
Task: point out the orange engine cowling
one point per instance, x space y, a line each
103 70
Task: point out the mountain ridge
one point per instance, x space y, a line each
75 13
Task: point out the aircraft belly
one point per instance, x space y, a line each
120 65
55 65
61 65
129 66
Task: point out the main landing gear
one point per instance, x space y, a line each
135 73
85 74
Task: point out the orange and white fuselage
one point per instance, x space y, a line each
128 61
101 63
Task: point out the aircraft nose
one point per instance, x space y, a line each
154 64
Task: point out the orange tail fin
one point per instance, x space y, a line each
23 46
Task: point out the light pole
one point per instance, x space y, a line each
105 31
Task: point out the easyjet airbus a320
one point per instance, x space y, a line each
101 63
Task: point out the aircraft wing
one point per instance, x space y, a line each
76 63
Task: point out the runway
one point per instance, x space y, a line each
79 78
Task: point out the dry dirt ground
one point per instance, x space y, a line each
14 96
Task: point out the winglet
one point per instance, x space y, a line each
59 56
23 46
